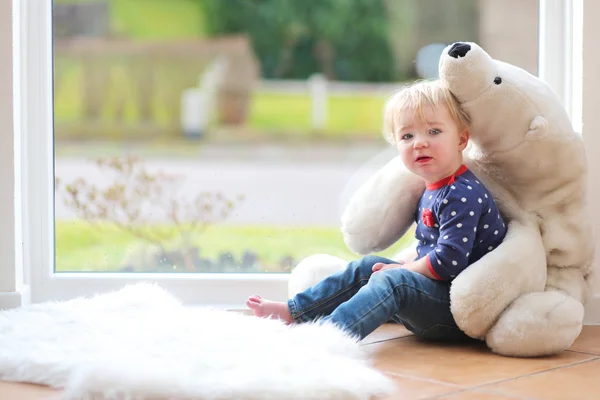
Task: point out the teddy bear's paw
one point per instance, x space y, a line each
537 129
312 270
537 324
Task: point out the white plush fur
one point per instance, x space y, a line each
525 298
141 343
304 271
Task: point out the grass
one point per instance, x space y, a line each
274 116
81 247
348 116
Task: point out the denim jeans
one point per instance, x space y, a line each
359 301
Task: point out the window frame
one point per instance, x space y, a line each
34 109
35 45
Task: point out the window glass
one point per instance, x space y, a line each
229 135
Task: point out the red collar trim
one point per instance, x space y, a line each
448 179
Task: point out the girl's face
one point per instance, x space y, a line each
430 147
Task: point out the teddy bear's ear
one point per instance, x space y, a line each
537 129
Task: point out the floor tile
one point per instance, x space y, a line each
418 389
574 382
588 341
24 391
386 332
476 395
465 365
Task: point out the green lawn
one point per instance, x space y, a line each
80 247
348 116
273 116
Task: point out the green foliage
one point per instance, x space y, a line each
346 40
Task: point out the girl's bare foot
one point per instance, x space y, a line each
265 308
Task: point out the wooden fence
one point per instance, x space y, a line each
124 89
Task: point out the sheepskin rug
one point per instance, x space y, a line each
142 343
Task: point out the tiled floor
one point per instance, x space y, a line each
427 371
455 372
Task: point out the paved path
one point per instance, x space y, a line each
297 187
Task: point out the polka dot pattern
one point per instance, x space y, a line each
467 225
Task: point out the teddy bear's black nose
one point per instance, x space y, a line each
459 49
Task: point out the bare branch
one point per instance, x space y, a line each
135 191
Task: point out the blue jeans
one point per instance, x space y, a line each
359 301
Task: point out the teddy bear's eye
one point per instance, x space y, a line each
497 80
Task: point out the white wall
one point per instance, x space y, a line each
591 124
7 181
508 31
12 290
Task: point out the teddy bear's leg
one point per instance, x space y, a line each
543 323
483 291
537 324
383 209
312 270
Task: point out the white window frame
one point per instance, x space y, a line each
560 52
33 47
35 44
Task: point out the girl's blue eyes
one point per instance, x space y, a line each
433 131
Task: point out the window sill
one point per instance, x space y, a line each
222 291
15 299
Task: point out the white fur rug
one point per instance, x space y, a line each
141 343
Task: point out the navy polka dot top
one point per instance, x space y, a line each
458 222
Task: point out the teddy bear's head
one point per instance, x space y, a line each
507 104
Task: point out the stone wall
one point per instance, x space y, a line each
90 19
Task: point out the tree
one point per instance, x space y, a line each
342 39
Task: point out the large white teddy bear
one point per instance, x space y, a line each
526 297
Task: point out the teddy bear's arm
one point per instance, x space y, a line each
383 209
482 292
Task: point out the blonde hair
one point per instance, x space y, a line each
416 98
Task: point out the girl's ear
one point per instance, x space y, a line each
463 139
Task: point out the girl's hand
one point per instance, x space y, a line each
382 267
420 267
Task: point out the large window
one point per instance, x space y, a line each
212 145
